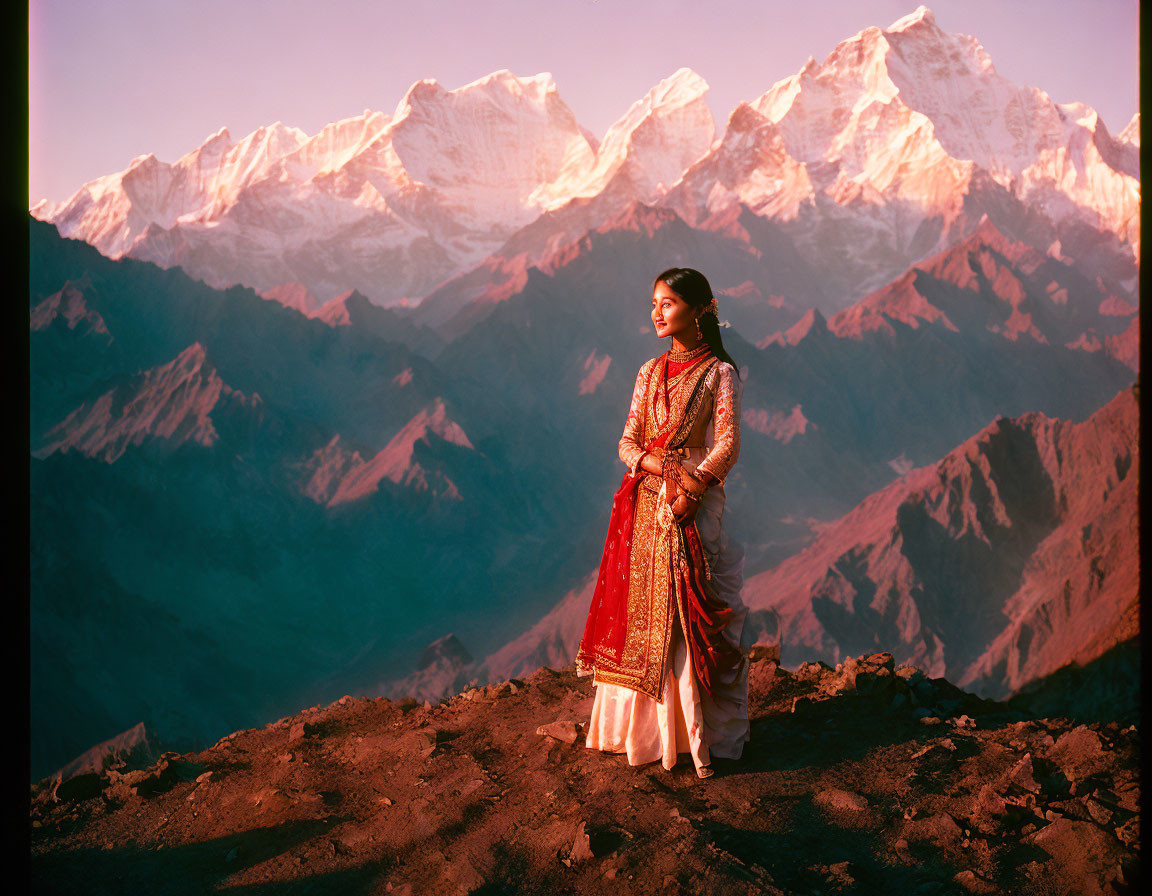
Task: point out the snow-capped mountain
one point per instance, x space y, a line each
647 149
889 150
388 205
900 140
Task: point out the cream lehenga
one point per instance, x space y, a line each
663 638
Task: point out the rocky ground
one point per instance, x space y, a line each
861 779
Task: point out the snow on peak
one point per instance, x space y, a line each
910 112
221 138
921 16
683 86
1131 133
501 84
486 148
652 144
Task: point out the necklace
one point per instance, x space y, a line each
688 354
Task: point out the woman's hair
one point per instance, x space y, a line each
693 288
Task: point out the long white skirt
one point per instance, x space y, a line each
688 720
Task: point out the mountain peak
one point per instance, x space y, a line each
641 218
921 17
812 322
447 649
396 460
172 403
682 86
542 81
222 136
502 81
1131 133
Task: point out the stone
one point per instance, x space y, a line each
942 744
426 742
581 846
989 804
159 779
463 872
973 883
840 800
940 830
1022 775
204 778
563 730
1079 753
1128 832
1082 852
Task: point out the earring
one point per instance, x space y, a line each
699 335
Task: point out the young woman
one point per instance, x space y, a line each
663 636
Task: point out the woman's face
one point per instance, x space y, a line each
671 315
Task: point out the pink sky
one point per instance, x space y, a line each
115 79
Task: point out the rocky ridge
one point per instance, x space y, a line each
861 778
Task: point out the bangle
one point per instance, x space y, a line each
695 487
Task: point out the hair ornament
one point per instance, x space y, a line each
714 309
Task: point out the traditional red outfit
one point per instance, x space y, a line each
663 635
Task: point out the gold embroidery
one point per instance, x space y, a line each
657 550
726 425
631 447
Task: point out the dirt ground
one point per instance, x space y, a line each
861 779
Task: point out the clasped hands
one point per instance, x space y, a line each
684 490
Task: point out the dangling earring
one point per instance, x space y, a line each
699 335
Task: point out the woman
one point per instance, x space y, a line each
663 636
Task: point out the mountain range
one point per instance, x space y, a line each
271 488
890 149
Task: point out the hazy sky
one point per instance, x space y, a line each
114 79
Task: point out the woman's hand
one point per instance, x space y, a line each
684 508
652 461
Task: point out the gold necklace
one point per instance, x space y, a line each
688 354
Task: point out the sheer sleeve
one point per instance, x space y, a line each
631 451
726 424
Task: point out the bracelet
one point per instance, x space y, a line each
697 488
